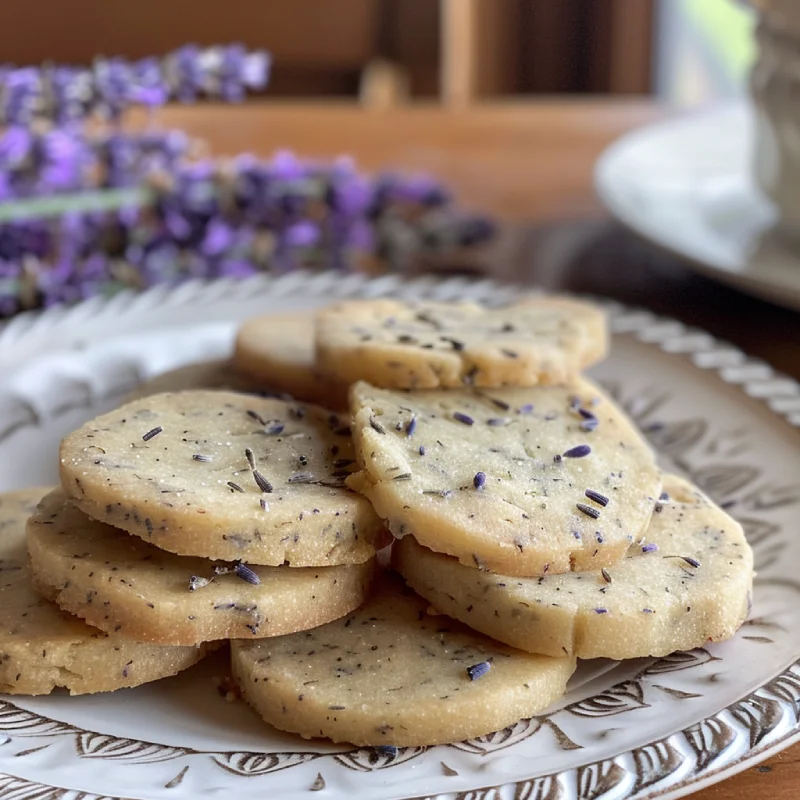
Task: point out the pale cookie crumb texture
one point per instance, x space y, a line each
123 585
517 481
389 674
44 648
689 583
447 345
218 375
225 476
279 349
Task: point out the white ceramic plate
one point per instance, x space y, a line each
685 185
644 729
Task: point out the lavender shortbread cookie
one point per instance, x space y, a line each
125 586
279 349
45 648
204 375
687 584
517 481
389 674
431 345
225 476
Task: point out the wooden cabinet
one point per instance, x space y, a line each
454 50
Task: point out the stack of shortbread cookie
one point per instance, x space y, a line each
530 524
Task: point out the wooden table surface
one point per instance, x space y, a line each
531 164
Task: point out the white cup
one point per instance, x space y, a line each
775 90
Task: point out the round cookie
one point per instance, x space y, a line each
389 674
279 349
121 584
204 375
45 648
688 583
530 481
448 345
224 476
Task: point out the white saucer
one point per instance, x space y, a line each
686 185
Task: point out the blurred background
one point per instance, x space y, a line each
685 51
473 130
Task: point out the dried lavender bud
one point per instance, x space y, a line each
479 481
386 750
598 498
477 671
588 510
151 434
411 426
652 547
463 418
247 574
201 457
262 482
579 451
606 575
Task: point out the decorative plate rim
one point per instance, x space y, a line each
753 377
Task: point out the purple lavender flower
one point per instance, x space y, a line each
219 238
254 70
230 87
186 73
64 158
209 221
302 234
148 86
73 91
113 78
15 147
22 95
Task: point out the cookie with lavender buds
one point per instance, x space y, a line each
279 349
204 375
45 648
530 481
125 586
431 345
689 582
225 476
389 674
